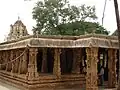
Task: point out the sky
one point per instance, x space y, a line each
11 9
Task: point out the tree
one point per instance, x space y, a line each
79 28
53 16
91 27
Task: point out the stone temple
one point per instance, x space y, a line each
17 30
31 62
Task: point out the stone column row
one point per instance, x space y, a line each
4 55
32 64
21 65
18 66
91 76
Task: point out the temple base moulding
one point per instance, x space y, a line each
48 81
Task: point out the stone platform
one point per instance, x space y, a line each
43 81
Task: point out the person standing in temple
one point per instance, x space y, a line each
101 76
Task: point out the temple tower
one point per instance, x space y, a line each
17 30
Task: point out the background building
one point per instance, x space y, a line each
17 30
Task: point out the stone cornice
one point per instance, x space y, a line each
91 40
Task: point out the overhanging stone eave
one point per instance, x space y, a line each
84 41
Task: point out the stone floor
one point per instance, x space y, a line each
4 86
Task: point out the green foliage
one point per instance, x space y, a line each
79 28
58 17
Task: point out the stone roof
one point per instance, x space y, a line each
19 22
91 40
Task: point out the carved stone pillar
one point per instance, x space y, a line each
44 61
91 76
0 60
4 60
77 58
56 67
13 63
7 59
32 64
17 54
10 58
112 56
24 61
20 62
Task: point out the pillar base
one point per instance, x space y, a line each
93 88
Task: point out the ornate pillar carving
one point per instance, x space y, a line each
20 62
7 59
10 58
24 62
44 61
32 64
91 76
17 54
13 63
112 56
4 60
0 60
77 58
56 67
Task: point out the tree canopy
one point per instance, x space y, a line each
78 28
58 17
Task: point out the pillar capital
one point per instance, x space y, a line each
33 49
